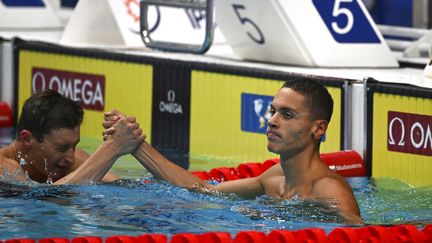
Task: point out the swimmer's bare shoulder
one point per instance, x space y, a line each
334 186
10 168
272 180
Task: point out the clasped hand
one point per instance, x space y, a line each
123 130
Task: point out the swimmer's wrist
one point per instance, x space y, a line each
110 147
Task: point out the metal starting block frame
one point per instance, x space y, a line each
206 5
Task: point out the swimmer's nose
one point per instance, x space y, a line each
272 122
70 156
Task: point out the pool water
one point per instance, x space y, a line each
138 205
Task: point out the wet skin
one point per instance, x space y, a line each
290 126
54 156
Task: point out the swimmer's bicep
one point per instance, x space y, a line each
247 188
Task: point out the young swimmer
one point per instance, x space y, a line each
300 113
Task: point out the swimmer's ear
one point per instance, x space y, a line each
25 137
319 129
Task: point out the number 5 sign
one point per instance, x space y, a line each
323 33
346 21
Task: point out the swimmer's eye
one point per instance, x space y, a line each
63 149
272 111
288 115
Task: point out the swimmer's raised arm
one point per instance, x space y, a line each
154 162
164 169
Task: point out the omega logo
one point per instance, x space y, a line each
391 139
170 106
87 88
409 133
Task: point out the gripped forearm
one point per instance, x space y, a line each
163 169
94 168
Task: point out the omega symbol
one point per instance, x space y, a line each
171 95
391 139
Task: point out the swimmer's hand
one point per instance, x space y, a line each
125 135
110 118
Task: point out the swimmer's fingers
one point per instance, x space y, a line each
132 122
115 112
141 137
131 119
107 133
108 124
138 132
135 125
113 115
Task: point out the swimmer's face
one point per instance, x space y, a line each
54 156
290 127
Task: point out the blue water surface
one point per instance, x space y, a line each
135 206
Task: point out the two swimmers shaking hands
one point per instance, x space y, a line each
48 132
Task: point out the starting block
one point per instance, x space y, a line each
26 14
207 6
321 33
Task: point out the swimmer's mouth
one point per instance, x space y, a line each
272 135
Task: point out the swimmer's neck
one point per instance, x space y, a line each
300 165
300 172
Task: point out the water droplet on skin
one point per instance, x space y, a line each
19 155
46 165
27 175
49 179
22 161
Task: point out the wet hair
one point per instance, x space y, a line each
317 96
48 110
